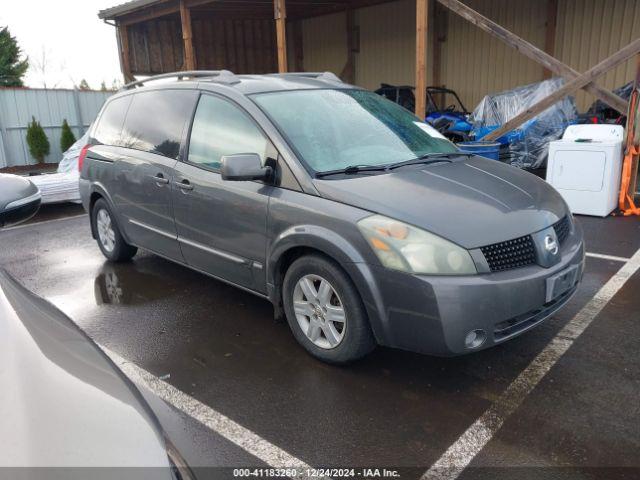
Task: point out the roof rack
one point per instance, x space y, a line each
222 76
330 76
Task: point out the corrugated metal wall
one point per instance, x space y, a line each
591 30
50 108
387 44
473 62
324 41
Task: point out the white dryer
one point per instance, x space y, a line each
585 167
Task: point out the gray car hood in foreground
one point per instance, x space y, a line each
14 188
474 202
63 403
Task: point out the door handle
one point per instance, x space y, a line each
184 185
160 180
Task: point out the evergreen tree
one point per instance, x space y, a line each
12 69
67 138
84 85
37 141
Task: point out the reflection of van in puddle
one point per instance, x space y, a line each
124 285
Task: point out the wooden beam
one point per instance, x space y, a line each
550 33
440 20
422 21
124 53
589 76
149 13
348 73
187 37
298 46
634 130
153 12
533 52
280 15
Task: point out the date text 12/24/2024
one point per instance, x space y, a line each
364 473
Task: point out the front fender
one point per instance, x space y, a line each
342 251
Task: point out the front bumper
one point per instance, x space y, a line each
434 314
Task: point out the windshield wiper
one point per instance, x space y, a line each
351 169
428 159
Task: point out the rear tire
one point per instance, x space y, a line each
325 312
110 240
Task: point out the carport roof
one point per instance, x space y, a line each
126 7
136 11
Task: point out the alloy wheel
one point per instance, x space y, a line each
319 311
106 234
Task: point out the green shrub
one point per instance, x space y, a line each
37 141
67 138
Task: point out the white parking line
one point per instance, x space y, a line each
451 464
43 222
602 256
219 423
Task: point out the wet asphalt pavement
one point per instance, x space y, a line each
393 409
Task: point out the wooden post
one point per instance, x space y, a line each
635 132
298 46
533 52
439 36
187 37
550 34
280 15
422 14
348 73
124 53
579 82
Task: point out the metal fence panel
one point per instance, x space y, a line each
50 108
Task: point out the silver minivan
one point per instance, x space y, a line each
358 221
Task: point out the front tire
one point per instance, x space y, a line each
110 240
325 312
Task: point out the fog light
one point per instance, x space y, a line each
475 338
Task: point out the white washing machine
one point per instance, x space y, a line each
585 167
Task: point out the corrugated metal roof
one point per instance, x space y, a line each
127 7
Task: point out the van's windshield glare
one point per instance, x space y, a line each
336 129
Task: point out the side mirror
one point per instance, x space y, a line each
19 200
244 166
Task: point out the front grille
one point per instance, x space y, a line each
519 252
562 228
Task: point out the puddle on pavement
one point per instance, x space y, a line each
124 284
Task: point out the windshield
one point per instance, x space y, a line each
336 129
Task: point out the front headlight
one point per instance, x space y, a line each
403 247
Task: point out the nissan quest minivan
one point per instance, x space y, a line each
359 222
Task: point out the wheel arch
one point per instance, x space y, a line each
312 239
98 191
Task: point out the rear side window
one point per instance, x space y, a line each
221 128
109 127
155 121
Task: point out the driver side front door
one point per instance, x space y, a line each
222 225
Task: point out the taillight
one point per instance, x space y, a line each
83 153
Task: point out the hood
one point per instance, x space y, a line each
473 202
68 404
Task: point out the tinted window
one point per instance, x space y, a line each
334 129
220 128
109 126
155 121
